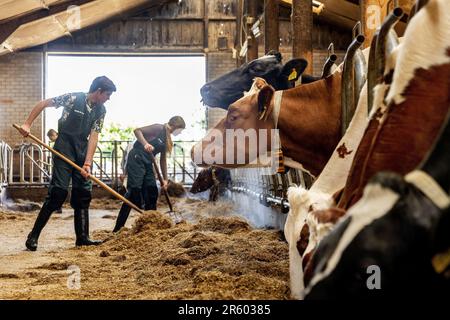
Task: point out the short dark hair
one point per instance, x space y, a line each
102 83
51 132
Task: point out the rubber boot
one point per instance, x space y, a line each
122 217
54 200
135 196
41 221
150 197
81 221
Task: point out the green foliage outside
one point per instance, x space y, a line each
114 132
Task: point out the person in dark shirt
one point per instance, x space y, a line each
155 139
79 128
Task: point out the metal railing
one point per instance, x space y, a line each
35 163
109 162
27 151
6 164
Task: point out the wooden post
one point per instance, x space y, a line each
302 26
271 26
240 38
205 26
252 12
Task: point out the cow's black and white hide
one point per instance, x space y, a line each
399 229
400 241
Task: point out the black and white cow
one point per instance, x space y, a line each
230 87
216 179
399 229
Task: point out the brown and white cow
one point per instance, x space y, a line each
408 119
399 228
306 223
308 122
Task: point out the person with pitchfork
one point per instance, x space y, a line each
153 139
79 127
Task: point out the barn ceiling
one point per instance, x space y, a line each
345 13
27 23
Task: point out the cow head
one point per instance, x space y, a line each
205 179
203 182
228 88
243 135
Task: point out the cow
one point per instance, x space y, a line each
399 113
309 123
216 179
306 223
398 229
415 105
229 87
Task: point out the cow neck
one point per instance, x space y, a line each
309 122
433 178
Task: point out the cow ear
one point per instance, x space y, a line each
264 99
293 69
276 54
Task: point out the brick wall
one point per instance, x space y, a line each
21 83
217 64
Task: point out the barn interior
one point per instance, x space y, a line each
230 239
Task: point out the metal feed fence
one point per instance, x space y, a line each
35 164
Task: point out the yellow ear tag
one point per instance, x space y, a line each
441 261
293 75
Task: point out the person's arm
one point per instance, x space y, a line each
140 137
96 128
35 112
149 131
92 145
163 166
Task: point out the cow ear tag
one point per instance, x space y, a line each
293 75
441 261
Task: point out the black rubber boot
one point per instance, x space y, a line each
41 221
150 197
122 217
134 195
81 221
54 200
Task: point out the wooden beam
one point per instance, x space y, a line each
302 26
271 26
8 26
205 25
239 32
252 12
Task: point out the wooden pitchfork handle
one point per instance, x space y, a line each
93 178
161 180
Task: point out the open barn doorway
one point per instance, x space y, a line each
150 89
